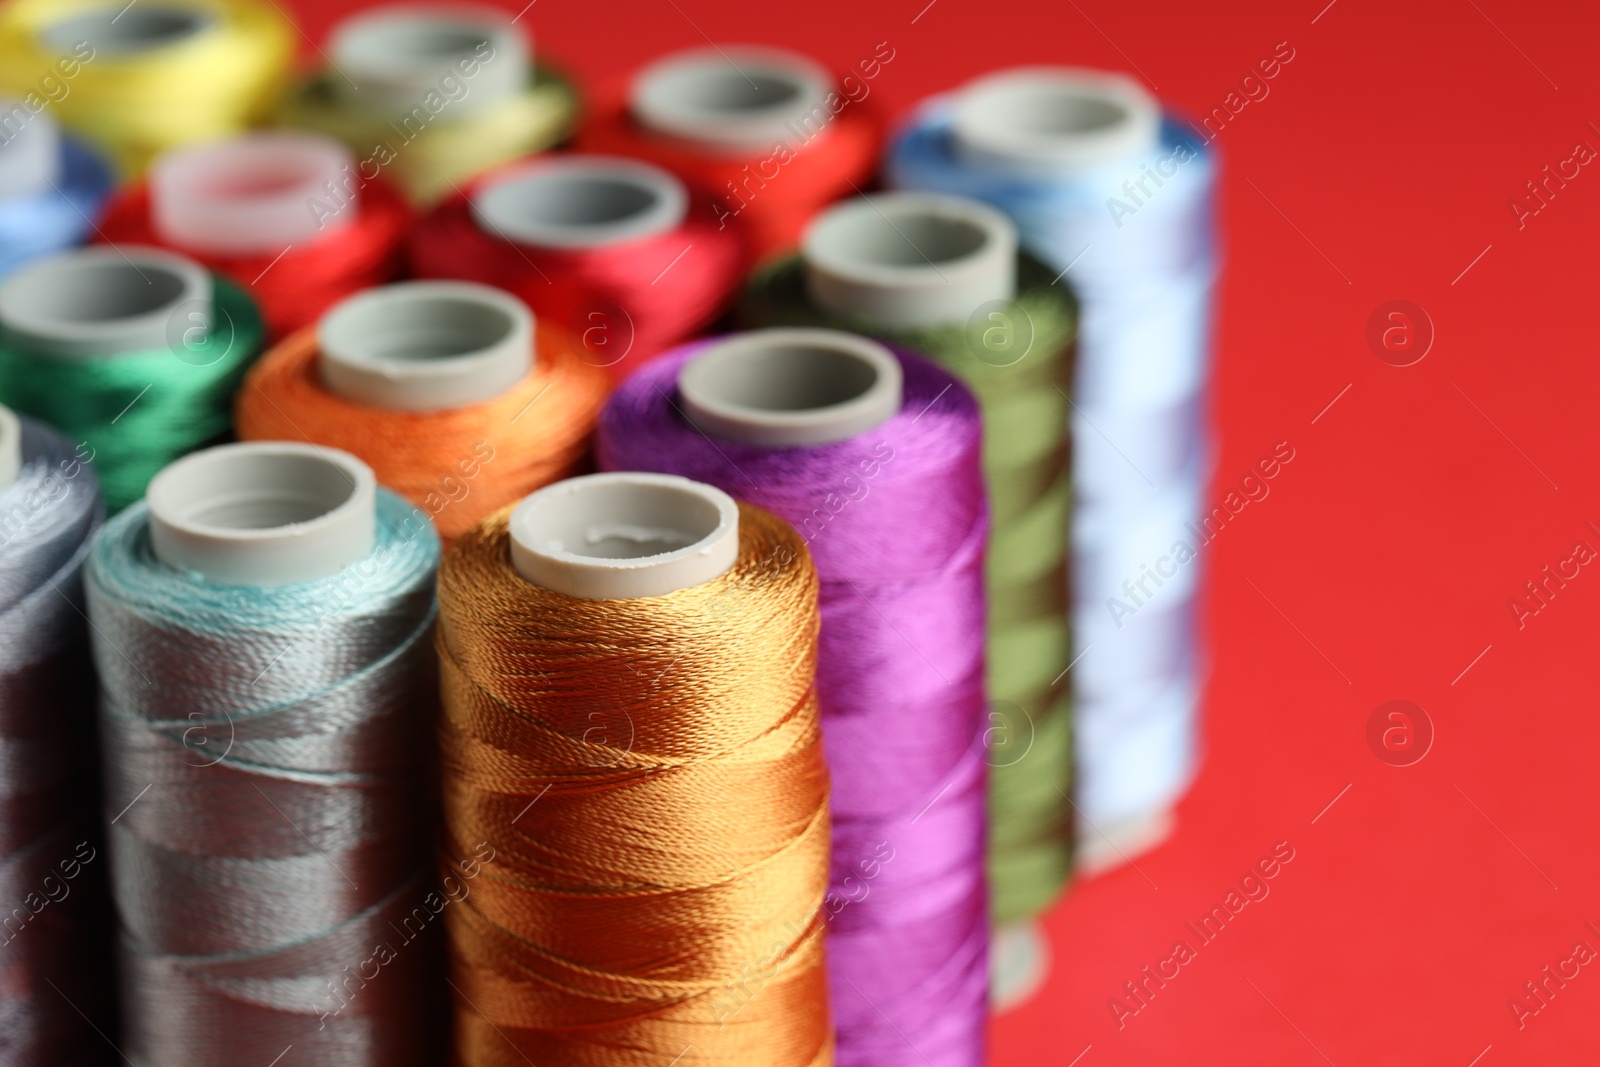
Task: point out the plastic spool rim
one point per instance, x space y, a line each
787 388
251 194
1054 120
132 30
425 346
10 446
909 260
396 55
30 162
625 535
104 301
733 99
1019 959
580 202
263 513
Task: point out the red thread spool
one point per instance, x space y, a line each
771 134
286 215
613 251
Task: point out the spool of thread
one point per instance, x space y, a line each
134 352
51 187
941 276
873 456
630 724
51 865
261 633
434 95
140 79
769 132
438 386
282 214
613 251
1119 199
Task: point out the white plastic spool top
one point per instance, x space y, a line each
786 388
397 54
114 30
10 446
908 260
425 346
105 301
733 99
1019 963
263 513
1054 120
580 202
30 150
619 536
251 194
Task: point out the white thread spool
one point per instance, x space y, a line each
398 54
620 536
733 99
580 202
1053 121
104 301
908 260
425 346
10 446
251 194
784 388
263 513
30 155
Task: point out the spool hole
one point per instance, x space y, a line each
582 203
791 387
1055 119
910 239
135 28
1064 112
263 493
263 513
424 346
733 98
730 92
617 536
99 291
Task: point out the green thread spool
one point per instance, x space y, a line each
432 97
134 354
921 271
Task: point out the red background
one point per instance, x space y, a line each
1382 163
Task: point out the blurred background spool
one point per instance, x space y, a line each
941 275
441 387
261 634
142 78
134 353
655 796
52 867
873 456
1119 200
768 132
284 215
432 94
618 254
52 188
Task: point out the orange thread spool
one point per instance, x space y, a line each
457 461
649 773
